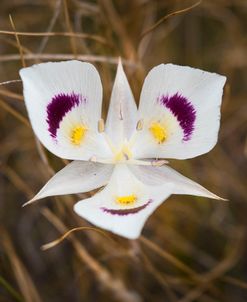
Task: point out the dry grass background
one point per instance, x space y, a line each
192 249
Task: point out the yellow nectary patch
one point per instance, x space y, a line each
77 134
126 200
159 132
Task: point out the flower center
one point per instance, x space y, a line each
78 134
124 154
126 200
159 132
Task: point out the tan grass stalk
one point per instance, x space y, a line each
18 42
14 112
21 274
54 34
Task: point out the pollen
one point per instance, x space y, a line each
78 134
126 200
159 132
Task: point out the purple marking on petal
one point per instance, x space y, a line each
183 110
125 212
59 106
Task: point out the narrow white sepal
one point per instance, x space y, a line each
76 177
165 175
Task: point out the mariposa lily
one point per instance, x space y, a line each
178 117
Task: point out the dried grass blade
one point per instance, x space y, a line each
59 240
178 12
18 42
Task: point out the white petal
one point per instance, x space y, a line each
76 177
61 96
126 220
164 175
186 102
122 114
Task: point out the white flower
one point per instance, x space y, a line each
178 117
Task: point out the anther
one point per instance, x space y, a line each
101 125
139 125
125 156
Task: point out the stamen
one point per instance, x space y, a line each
159 132
126 156
158 163
139 125
139 162
78 134
101 126
126 200
126 152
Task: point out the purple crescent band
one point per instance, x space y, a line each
125 212
59 106
183 110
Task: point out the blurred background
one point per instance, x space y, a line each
192 249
